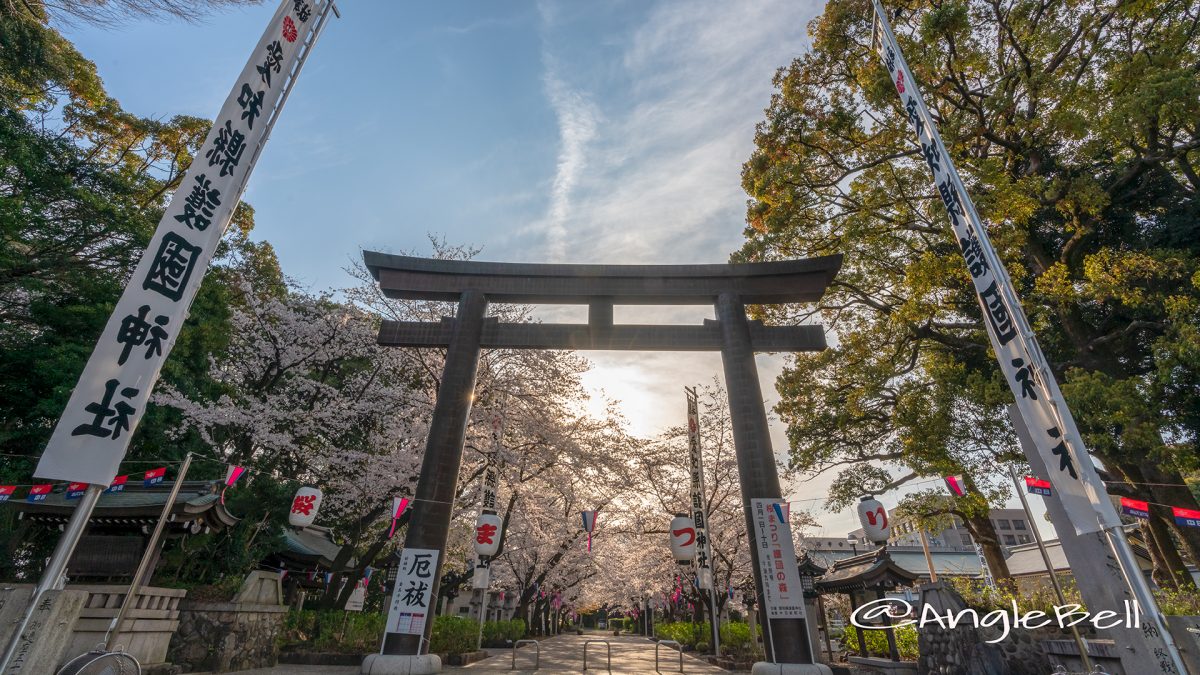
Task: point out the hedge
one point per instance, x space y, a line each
453 635
502 633
332 630
906 642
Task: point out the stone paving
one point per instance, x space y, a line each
560 654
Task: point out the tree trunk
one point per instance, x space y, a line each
1170 489
984 532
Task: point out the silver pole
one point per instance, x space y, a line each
136 584
54 576
928 557
1037 536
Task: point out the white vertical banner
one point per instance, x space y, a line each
777 566
704 573
108 402
412 596
1055 436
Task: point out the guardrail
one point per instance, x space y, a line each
668 642
537 653
606 645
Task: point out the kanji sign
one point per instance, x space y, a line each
1038 486
699 511
413 592
1135 508
783 594
108 402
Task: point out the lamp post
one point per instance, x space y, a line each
853 543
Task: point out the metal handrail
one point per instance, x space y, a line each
537 653
668 642
607 646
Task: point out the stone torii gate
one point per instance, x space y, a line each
474 284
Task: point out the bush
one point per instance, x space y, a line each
332 630
686 634
877 645
453 635
501 633
735 639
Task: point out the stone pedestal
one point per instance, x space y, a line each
43 646
764 668
401 664
222 637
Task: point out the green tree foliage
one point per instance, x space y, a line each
1076 126
83 184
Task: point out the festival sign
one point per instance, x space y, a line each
118 484
1038 486
1135 508
1186 517
1024 367
154 476
782 593
683 539
6 491
37 493
106 405
413 592
75 490
699 507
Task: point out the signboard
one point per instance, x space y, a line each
1055 436
699 508
358 596
782 593
106 405
413 593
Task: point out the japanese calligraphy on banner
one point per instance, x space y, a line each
413 592
104 410
782 593
699 508
1056 438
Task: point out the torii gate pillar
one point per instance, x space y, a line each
474 284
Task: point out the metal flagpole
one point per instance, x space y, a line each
136 584
1037 536
54 576
1022 360
928 557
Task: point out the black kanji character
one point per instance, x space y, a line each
227 149
135 331
933 156
951 200
198 206
104 409
172 267
914 117
251 103
273 62
420 565
414 595
1065 463
303 11
890 59
1026 378
973 254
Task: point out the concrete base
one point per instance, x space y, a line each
397 664
764 668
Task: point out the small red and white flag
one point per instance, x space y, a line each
1186 517
37 493
1135 508
6 491
399 504
956 485
154 476
118 484
1037 486
76 490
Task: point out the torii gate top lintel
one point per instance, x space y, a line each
775 282
601 287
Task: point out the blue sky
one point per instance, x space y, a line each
541 131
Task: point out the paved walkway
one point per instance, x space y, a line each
560 654
564 654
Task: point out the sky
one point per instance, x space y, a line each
598 132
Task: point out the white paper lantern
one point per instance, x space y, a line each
874 520
683 539
487 534
305 505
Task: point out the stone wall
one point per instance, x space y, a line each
965 650
146 630
222 637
